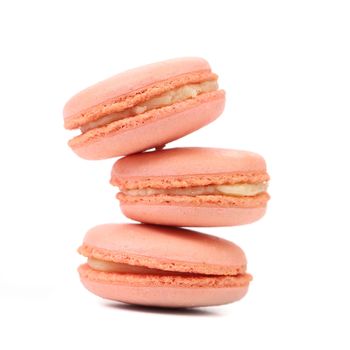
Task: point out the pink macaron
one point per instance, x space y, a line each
192 187
162 266
143 108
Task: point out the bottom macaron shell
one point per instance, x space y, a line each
155 133
172 297
191 216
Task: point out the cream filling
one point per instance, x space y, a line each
168 98
239 189
110 266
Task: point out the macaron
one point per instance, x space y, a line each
143 108
162 266
192 187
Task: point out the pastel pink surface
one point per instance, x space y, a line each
166 296
165 244
191 216
151 134
130 80
188 161
172 248
185 167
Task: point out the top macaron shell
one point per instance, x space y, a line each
126 82
187 161
153 128
165 248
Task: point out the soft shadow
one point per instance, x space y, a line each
164 311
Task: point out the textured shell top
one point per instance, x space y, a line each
128 81
187 161
165 243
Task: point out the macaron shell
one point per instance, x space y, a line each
161 126
136 97
187 161
195 216
172 297
166 291
128 81
167 248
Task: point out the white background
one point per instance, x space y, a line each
285 68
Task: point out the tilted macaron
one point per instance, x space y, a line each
143 108
192 187
162 266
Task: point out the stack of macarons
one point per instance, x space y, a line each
156 263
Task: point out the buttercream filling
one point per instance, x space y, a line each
110 266
238 190
166 99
